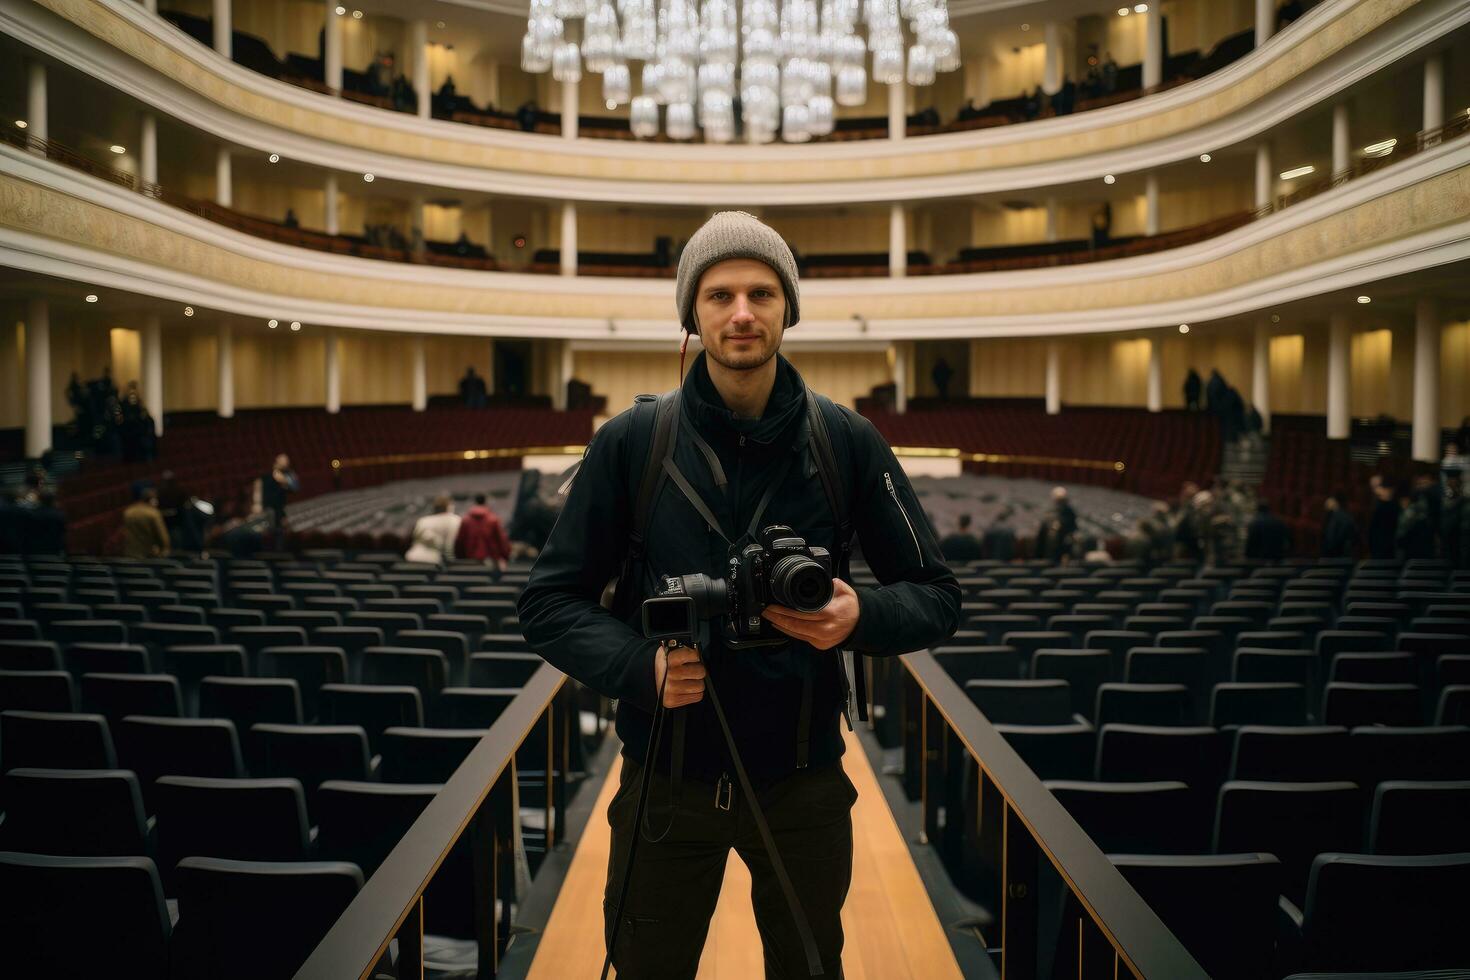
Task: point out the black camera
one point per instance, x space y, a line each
781 570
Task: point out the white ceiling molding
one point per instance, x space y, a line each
47 256
1422 25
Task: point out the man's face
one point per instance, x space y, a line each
741 311
283 461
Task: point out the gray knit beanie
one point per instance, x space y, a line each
734 235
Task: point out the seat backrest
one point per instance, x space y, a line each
250 700
966 663
1420 752
119 899
290 904
503 669
418 755
1143 704
1043 702
1229 939
73 811
1292 753
426 670
47 740
1133 818
29 655
313 753
505 643
1371 704
309 666
69 631
1419 817
107 658
1379 912
1053 751
1373 668
37 690
376 707
1083 670
119 695
363 822
472 707
1294 821
154 747
248 819
1258 704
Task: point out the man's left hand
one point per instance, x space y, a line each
824 629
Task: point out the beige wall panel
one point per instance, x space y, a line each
843 376
1371 353
447 358
1454 374
12 372
841 230
1288 352
619 376
377 369
279 368
83 349
475 68
127 356
269 200
1014 72
190 371
1008 368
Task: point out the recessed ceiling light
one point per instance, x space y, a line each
21 124
273 323
357 15
1025 27
1184 328
1109 179
1365 300
91 297
1205 158
295 324
341 10
1275 317
1380 149
1298 172
1140 8
1124 11
440 25
188 311
611 104
368 178
119 148
274 158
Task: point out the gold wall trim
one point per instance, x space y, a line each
1435 202
884 164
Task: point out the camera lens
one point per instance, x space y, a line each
800 583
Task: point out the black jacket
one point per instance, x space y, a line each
917 605
1339 536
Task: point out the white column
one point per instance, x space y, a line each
332 48
1339 355
151 6
1051 72
1053 378
1341 137
38 378
225 347
898 241
36 100
418 43
570 102
223 181
564 374
568 238
332 360
900 377
1426 381
1155 375
1051 219
153 370
1261 373
1265 21
1265 179
898 112
1151 204
1153 46
222 28
1434 92
420 375
329 207
148 149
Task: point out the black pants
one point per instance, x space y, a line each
676 882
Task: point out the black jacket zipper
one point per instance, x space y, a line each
888 480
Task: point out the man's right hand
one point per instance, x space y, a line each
685 675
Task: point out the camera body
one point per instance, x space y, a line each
781 569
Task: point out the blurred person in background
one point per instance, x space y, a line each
434 534
1000 537
482 537
1383 523
1339 533
144 533
962 545
1058 525
1267 537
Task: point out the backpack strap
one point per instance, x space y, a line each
655 414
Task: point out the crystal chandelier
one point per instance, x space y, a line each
781 65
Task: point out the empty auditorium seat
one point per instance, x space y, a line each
247 819
1453 707
352 640
375 707
225 619
157 636
107 658
1293 821
309 620
425 670
1427 753
1134 818
1173 665
119 899
1258 704
1378 912
154 747
1044 702
1292 754
51 740
37 690
1255 665
1143 704
313 754
1419 817
419 755
309 666
74 811
1234 938
965 663
69 631
29 655
363 822
514 643
1117 643
1373 668
1350 705
116 696
391 623
1083 670
257 638
503 669
249 701
454 646
19 629
1145 753
1053 751
287 906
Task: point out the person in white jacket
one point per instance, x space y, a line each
434 534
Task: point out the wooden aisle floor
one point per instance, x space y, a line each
891 929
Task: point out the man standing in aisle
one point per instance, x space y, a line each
743 446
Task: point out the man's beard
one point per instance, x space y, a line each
747 360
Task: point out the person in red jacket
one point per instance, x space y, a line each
482 536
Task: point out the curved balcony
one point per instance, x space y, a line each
1334 46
